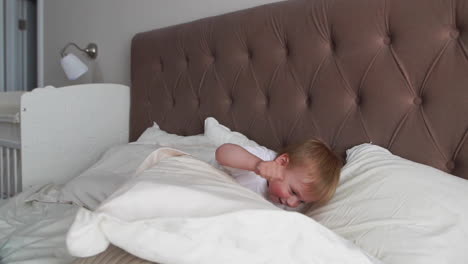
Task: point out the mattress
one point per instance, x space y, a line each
112 255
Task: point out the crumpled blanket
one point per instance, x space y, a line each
177 209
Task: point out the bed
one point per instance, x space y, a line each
390 73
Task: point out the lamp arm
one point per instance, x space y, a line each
68 45
90 50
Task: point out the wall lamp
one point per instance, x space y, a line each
72 65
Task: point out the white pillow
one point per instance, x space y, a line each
154 135
219 134
119 163
398 210
199 146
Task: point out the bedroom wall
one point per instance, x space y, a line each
111 24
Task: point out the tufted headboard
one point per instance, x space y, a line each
391 72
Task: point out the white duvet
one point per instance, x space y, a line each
178 209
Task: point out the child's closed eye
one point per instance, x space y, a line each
295 194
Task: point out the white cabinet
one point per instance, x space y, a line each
63 131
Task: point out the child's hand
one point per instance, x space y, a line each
270 170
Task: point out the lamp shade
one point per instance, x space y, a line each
73 67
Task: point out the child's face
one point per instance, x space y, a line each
289 191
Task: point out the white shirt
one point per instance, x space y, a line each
249 179
254 182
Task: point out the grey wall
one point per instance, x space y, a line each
112 24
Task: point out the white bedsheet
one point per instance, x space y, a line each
34 232
182 210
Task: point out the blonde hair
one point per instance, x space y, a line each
318 157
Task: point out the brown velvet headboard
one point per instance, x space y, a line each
391 72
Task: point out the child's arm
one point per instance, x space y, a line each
235 156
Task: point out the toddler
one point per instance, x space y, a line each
306 173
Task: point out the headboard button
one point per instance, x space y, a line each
267 100
387 40
454 33
358 100
332 45
161 65
417 101
249 54
450 165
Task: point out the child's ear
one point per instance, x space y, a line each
283 159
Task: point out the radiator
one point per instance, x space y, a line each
10 169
